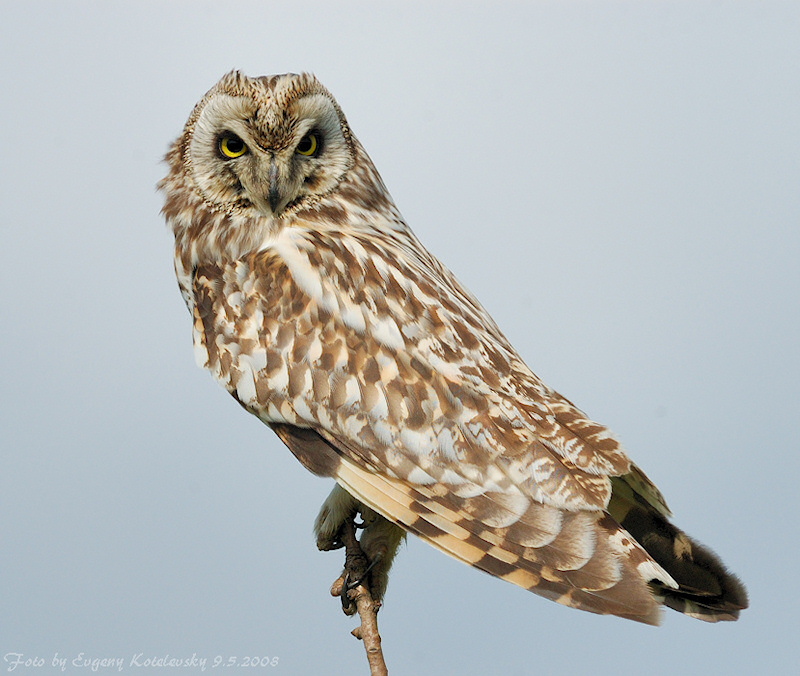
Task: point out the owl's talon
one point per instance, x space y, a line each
348 605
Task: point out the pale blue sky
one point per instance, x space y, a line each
619 183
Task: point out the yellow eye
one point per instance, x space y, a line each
309 145
232 146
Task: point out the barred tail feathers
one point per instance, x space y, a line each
706 589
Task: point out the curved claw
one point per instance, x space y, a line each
347 585
347 603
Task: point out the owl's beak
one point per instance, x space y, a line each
273 196
266 186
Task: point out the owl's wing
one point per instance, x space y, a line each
382 379
581 559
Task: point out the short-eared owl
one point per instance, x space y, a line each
318 309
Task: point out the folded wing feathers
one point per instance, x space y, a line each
590 563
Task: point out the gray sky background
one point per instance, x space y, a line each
619 183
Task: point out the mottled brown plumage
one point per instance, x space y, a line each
317 308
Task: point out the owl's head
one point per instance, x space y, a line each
262 146
259 155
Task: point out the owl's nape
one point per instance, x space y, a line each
321 313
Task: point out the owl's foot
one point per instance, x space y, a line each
380 540
353 583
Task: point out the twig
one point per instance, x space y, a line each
355 568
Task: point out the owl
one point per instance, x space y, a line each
317 308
